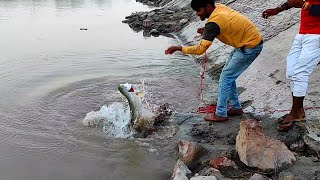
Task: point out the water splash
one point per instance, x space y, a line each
114 119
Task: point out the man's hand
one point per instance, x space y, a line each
269 12
172 49
200 30
296 3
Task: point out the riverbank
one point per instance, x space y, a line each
266 89
268 99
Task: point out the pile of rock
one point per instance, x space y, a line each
159 21
155 3
263 156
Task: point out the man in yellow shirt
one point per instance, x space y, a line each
233 29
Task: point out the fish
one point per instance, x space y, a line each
142 119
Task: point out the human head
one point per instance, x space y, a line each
203 8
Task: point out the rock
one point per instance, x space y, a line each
212 172
257 176
298 146
204 178
154 32
292 136
259 151
222 163
188 152
146 33
146 23
315 159
312 139
143 16
180 171
162 113
151 13
183 21
167 11
125 21
285 176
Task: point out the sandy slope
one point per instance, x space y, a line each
264 81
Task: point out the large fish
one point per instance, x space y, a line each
142 119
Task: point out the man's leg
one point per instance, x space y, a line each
239 62
299 73
234 102
234 98
292 60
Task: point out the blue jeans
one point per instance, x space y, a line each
237 63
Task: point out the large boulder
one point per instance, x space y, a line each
259 151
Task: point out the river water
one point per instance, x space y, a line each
52 74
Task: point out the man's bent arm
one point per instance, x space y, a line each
283 7
210 32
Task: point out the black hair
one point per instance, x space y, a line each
197 4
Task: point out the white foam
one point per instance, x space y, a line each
114 119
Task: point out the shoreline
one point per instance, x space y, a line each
266 89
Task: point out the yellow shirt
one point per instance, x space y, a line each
235 30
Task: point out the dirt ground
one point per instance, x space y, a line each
263 87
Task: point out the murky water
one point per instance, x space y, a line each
52 74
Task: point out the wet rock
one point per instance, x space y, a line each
212 172
315 159
155 3
183 21
146 33
292 136
285 176
163 20
257 176
180 172
222 163
162 113
298 146
259 151
189 152
154 32
168 11
312 139
151 13
204 178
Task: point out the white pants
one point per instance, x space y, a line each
301 61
